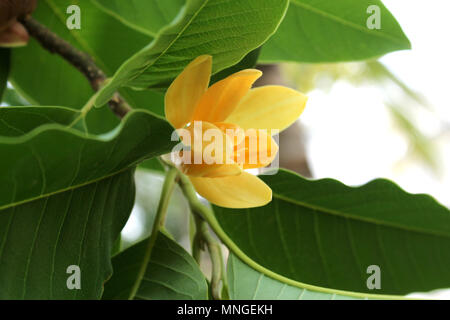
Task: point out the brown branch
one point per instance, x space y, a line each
80 60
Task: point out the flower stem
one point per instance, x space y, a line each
168 187
203 237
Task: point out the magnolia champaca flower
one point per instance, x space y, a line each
228 106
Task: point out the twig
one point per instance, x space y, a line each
80 60
204 237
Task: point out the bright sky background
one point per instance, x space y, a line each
351 134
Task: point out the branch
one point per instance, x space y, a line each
204 237
80 60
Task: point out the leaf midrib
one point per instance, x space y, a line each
69 188
357 218
346 22
332 294
188 24
124 21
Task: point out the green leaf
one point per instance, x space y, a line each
16 121
248 62
4 70
212 27
152 100
52 158
245 283
146 16
153 165
332 31
326 234
40 239
172 274
65 196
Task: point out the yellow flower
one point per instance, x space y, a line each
230 104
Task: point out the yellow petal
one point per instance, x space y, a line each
234 132
221 99
269 107
210 170
186 91
211 152
258 150
242 191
